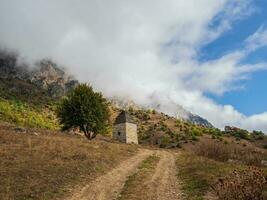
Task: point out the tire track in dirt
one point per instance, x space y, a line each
164 184
108 186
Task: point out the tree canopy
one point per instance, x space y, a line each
85 109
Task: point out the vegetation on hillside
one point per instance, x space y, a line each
24 104
25 115
242 184
245 153
202 177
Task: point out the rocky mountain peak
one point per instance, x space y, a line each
45 74
53 78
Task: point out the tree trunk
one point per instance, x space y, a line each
90 135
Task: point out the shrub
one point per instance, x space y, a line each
242 185
165 140
85 109
197 132
257 135
194 138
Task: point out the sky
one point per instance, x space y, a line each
209 56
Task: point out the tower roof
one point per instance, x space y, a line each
124 117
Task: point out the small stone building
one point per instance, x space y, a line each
125 129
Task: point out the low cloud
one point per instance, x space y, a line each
142 50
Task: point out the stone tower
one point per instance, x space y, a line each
125 130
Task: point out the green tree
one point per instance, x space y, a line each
85 109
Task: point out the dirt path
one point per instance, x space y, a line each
164 184
108 186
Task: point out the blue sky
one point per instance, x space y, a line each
252 97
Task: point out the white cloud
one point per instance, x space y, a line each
257 40
144 50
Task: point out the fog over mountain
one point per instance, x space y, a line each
146 51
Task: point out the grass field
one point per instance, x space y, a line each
199 174
28 116
51 164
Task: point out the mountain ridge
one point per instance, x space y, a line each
56 81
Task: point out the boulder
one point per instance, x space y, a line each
20 130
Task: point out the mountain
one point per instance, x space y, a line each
180 113
124 104
56 81
184 114
53 78
45 74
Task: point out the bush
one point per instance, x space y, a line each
85 109
257 135
165 140
242 185
197 132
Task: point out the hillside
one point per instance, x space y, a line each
28 97
43 164
40 162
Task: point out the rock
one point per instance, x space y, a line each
20 130
264 163
232 161
45 75
172 145
53 78
36 134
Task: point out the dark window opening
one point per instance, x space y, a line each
119 133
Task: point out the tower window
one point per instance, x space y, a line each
119 133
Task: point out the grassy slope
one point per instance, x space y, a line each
26 105
58 162
49 165
200 173
25 115
159 129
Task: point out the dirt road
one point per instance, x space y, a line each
162 186
108 186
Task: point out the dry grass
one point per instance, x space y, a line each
231 152
200 174
135 187
51 164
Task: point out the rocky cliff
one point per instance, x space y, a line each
45 74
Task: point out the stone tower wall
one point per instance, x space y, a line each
131 133
119 128
126 133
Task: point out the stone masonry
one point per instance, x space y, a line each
125 130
